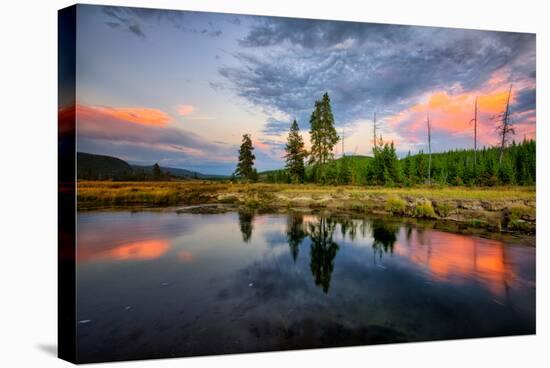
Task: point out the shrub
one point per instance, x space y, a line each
395 205
424 210
518 212
478 223
443 209
517 224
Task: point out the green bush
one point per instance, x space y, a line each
519 211
478 223
443 209
424 210
396 206
516 224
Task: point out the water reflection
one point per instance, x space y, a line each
187 284
245 223
447 256
323 251
296 233
138 250
384 236
454 258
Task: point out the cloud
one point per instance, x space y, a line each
286 64
136 115
185 110
275 127
136 29
310 34
129 19
526 99
451 114
104 130
134 20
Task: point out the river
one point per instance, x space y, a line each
157 284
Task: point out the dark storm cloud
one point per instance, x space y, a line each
310 34
288 63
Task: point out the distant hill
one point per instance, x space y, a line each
96 167
101 167
183 173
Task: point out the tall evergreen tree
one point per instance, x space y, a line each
157 173
322 133
345 171
245 166
295 154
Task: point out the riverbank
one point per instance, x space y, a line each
497 208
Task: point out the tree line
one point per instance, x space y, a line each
510 163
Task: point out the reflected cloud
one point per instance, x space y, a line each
454 258
139 250
185 256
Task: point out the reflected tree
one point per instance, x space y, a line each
384 236
348 227
408 234
245 223
295 233
323 251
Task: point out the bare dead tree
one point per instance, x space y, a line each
429 148
343 151
374 131
474 120
505 128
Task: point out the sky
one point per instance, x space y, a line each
180 88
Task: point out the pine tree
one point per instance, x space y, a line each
322 134
345 173
245 165
295 154
157 173
254 175
421 167
506 172
408 169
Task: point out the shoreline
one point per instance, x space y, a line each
501 209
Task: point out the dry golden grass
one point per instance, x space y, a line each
194 192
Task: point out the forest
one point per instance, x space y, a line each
509 163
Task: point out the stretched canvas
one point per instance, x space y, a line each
237 183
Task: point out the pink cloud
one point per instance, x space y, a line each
136 115
185 110
451 112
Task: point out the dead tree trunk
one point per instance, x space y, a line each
505 129
429 149
474 120
343 151
374 132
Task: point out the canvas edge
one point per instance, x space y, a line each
66 200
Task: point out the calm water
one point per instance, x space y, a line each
160 284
